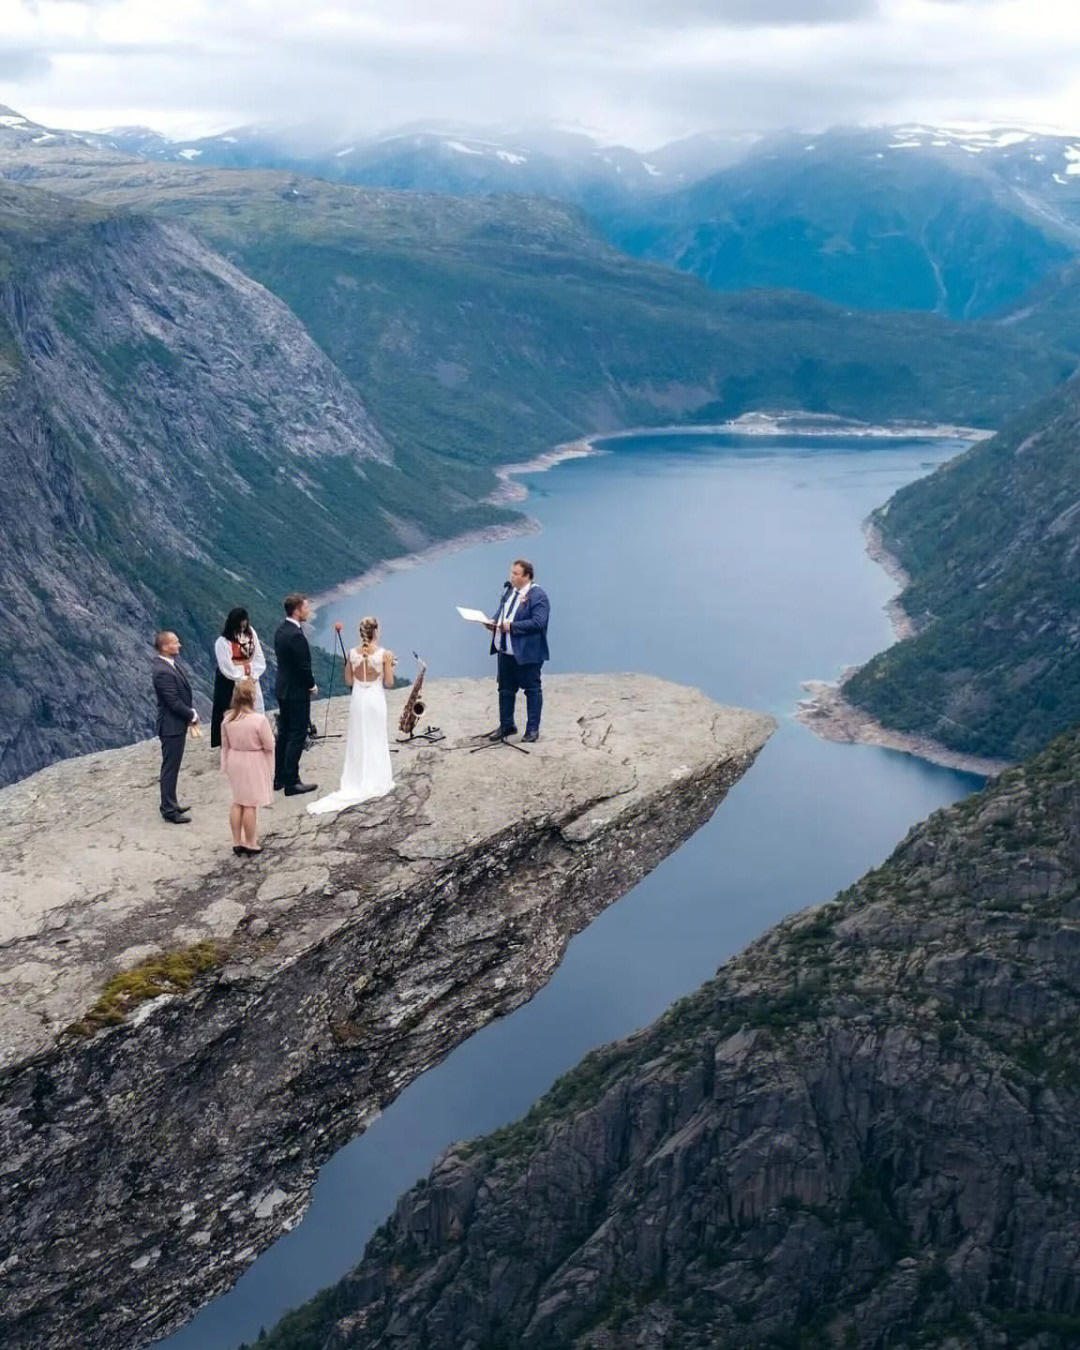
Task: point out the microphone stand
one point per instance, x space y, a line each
329 695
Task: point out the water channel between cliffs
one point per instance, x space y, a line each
733 564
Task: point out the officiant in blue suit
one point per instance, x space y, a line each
519 641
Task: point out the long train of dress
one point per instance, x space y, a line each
367 772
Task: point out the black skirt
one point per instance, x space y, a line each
223 692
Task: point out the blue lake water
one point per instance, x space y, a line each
738 566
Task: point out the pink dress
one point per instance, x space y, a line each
247 759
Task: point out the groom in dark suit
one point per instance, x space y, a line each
519 640
175 714
294 686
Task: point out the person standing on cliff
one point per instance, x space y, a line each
295 687
519 642
175 714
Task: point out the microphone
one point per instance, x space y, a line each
338 626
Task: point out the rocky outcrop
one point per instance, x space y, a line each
862 1133
144 1164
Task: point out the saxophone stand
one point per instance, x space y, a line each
430 735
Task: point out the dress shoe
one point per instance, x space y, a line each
177 819
295 789
531 736
501 733
278 786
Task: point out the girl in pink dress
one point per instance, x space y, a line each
247 760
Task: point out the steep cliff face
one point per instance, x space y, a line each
862 1133
172 443
154 1141
991 544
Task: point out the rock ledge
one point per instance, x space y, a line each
144 1168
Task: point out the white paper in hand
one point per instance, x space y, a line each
473 615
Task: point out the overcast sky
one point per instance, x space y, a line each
637 71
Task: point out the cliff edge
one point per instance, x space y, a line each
152 1141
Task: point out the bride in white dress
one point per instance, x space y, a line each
369 669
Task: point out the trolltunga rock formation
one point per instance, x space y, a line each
150 1149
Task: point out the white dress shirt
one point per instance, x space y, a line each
506 615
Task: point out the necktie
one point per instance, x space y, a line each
508 609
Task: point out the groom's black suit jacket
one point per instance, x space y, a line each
294 678
173 693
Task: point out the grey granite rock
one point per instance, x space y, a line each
142 1169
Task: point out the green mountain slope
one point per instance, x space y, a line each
171 443
992 544
861 1133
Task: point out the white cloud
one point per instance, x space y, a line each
640 70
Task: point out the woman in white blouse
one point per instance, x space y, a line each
238 655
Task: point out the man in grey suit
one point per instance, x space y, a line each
175 713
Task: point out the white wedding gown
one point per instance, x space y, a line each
367 771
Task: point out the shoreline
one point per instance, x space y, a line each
508 492
828 714
901 621
504 494
805 424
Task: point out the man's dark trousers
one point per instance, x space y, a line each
294 715
172 752
512 676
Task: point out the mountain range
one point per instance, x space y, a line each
897 218
961 221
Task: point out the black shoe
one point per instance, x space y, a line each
176 819
295 789
531 736
183 810
501 733
278 786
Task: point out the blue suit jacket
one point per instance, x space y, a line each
528 632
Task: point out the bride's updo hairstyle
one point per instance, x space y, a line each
367 629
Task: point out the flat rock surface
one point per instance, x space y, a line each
93 880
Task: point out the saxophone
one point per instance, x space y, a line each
414 706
